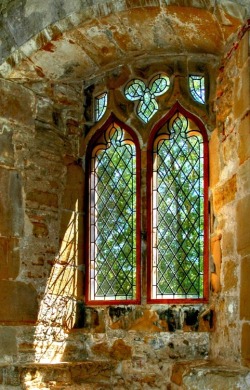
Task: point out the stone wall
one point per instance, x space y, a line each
229 182
43 319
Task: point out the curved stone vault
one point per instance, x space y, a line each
76 39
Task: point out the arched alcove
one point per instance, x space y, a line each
53 65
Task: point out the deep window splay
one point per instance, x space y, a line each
178 212
113 209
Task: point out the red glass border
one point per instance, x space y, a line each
91 145
177 108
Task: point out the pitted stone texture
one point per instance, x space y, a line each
17 103
243 233
217 378
65 43
18 302
11 203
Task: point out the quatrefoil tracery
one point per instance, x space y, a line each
147 105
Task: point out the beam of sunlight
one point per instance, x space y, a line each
58 306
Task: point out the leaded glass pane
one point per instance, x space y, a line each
197 88
178 213
147 105
100 105
113 217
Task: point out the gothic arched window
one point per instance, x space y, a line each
163 223
178 209
113 209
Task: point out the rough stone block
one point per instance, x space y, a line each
242 221
244 177
40 229
92 372
6 144
230 276
216 377
11 203
8 343
73 194
244 289
244 138
242 52
9 257
16 103
121 351
225 193
214 160
228 242
241 92
18 302
43 198
216 254
245 342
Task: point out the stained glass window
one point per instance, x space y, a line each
178 212
147 106
197 88
100 105
113 209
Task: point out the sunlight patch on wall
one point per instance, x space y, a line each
58 306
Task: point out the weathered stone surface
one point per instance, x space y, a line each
230 275
244 138
11 205
6 144
120 351
78 58
9 257
214 158
245 343
18 302
138 344
228 243
92 372
73 193
225 193
242 98
43 198
216 253
16 103
8 343
216 378
244 289
244 177
242 220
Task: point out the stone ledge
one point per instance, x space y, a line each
186 375
202 374
41 375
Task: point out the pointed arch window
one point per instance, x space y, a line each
178 204
114 208
148 243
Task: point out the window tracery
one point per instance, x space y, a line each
147 106
176 207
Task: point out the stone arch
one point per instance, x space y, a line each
67 43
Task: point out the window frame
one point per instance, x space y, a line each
91 145
149 179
